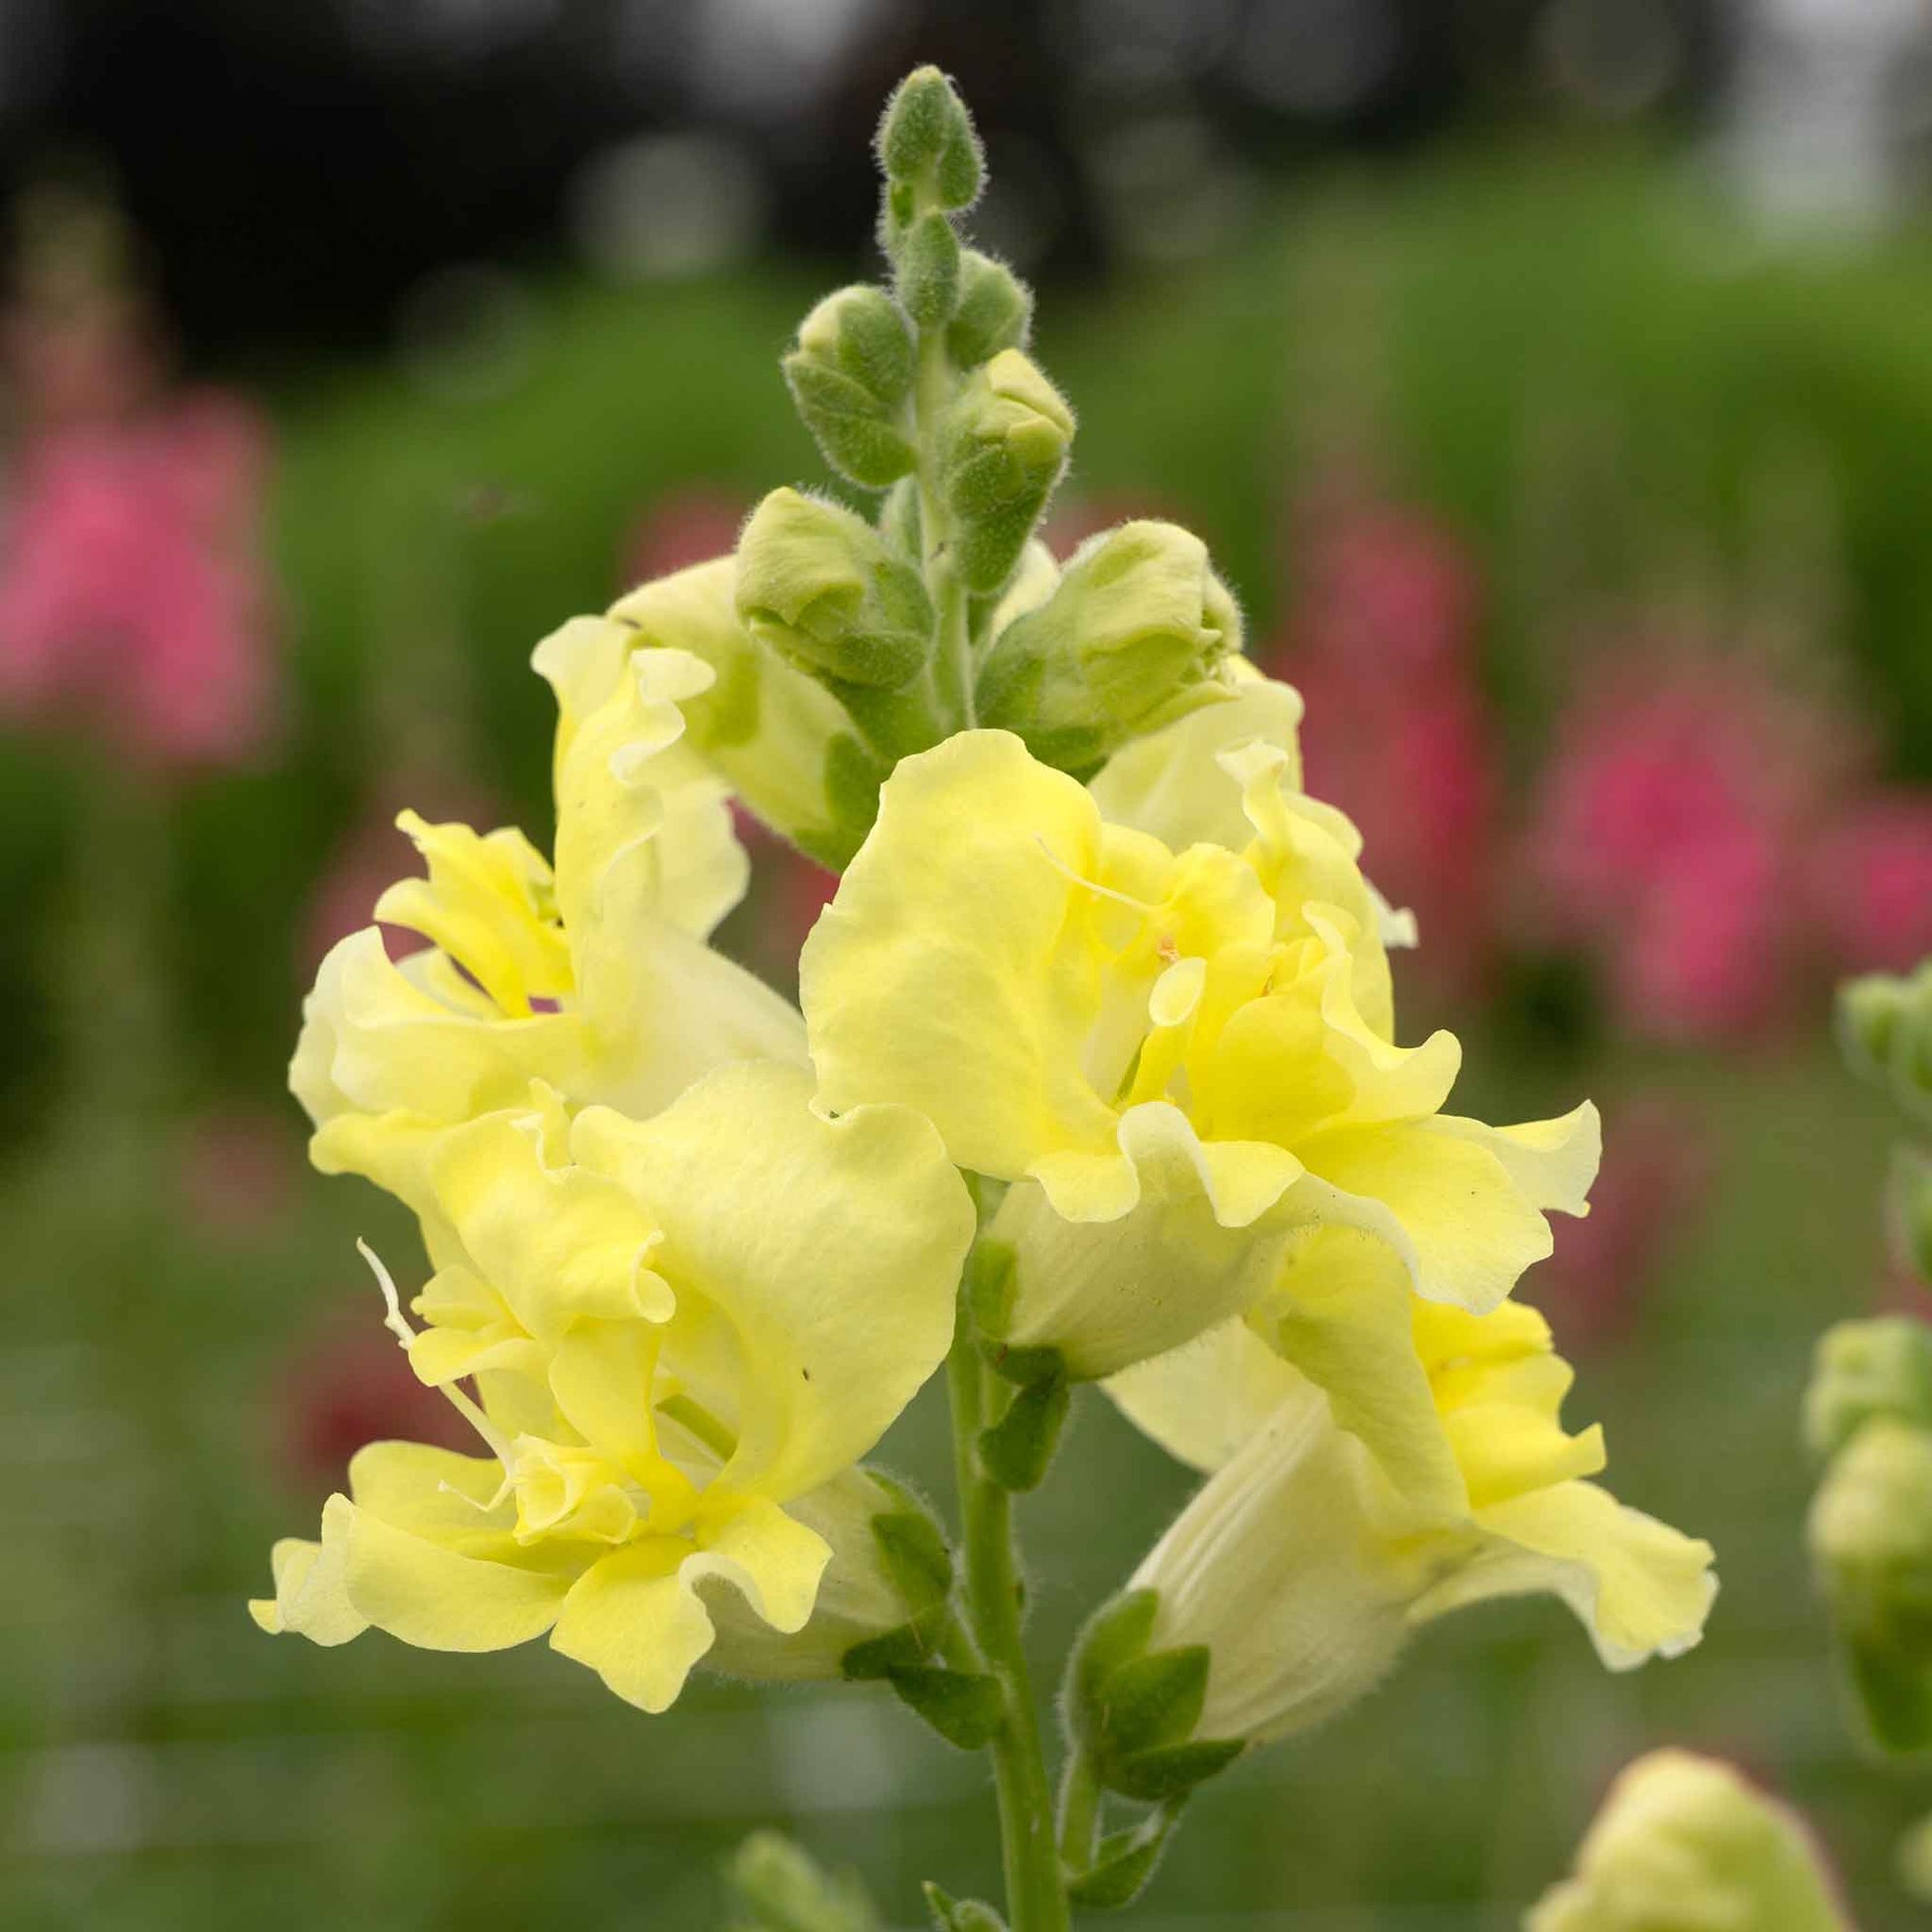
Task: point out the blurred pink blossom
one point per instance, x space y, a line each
351 1385
682 527
1380 640
131 593
1668 836
1871 882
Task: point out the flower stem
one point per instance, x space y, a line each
1035 1895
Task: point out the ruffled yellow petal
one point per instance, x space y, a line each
813 1261
939 979
310 1596
1639 1588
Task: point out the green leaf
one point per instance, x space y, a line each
961 1916
964 1707
1018 1449
1160 1777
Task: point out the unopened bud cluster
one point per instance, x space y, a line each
1869 1413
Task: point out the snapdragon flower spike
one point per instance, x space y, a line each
1376 1461
1159 1006
1685 1841
683 1334
593 976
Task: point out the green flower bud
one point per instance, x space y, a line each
777 1888
849 376
926 140
1002 452
1684 1841
819 586
927 270
1870 1534
900 521
1863 1369
995 310
1133 638
772 732
1884 1025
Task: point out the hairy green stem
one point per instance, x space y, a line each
952 666
1035 1895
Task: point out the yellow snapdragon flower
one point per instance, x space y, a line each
593 976
1159 1006
1378 1460
684 1334
1685 1844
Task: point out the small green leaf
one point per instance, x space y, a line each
961 1916
964 1707
1018 1449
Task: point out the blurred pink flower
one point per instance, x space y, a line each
353 1385
1871 883
1656 1169
130 590
1667 836
1380 642
682 527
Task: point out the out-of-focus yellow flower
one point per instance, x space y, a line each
684 1332
1684 1843
1160 1005
1378 1460
593 976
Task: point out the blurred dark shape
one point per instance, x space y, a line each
351 1384
236 1173
1647 1203
1614 58
1381 640
669 206
133 597
465 333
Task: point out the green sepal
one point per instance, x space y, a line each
879 1657
1893 1695
1024 1366
775 1886
995 310
1153 1700
951 1915
1018 1449
927 270
853 775
964 1707
1113 1635
916 1557
1123 1864
861 442
990 1277
1164 1776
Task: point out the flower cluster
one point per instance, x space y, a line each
1098 1029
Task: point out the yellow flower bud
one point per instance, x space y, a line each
1685 1841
